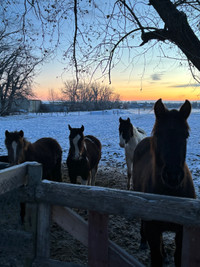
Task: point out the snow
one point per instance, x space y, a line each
102 124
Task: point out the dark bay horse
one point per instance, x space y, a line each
160 168
129 137
46 151
84 156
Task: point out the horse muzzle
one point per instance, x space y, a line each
77 157
121 145
172 177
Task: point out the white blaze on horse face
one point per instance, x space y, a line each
76 148
14 147
121 141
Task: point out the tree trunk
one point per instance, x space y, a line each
178 29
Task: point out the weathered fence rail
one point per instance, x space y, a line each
46 200
121 202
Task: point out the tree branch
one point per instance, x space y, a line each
75 40
160 35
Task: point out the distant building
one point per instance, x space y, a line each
20 105
24 105
34 105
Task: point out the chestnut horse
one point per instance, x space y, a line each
84 156
129 137
46 151
160 168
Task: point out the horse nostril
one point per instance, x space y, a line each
171 177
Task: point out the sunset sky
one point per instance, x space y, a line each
155 70
169 81
140 72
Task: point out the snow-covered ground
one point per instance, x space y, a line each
104 125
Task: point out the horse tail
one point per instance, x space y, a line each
58 165
141 131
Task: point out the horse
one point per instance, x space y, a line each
83 157
46 151
160 168
129 137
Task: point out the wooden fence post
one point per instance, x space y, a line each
43 231
191 247
97 239
34 171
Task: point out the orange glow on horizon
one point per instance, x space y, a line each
164 96
139 95
151 91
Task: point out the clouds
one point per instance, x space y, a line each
186 85
156 76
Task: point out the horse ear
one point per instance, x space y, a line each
7 133
21 133
82 128
128 120
185 109
159 108
69 127
120 119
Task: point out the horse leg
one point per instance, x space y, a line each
154 237
22 211
83 181
72 176
85 178
178 250
143 242
57 171
129 174
93 174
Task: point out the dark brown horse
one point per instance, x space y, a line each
160 168
84 156
46 151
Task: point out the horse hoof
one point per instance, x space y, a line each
166 260
143 246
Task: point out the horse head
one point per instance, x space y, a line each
76 140
125 131
14 142
170 135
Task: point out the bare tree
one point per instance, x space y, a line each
17 71
97 32
134 25
70 91
53 96
87 92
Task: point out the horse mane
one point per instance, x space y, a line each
26 143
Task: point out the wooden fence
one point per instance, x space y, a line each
46 200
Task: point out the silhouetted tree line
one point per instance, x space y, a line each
70 106
82 97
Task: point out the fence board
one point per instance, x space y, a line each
191 245
120 202
12 178
16 176
43 230
54 263
16 242
118 257
97 239
71 222
78 228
